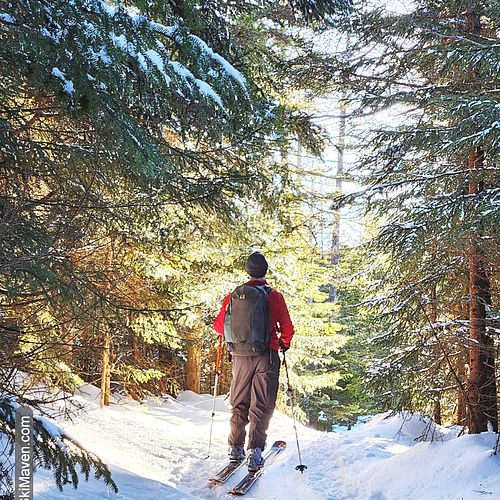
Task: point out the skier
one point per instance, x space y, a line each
255 323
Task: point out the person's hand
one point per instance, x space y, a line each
283 347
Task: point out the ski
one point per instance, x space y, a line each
223 475
251 478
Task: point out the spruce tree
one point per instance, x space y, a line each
430 181
129 134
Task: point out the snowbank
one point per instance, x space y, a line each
158 450
386 459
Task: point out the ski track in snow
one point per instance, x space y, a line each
157 450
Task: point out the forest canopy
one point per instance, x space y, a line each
147 148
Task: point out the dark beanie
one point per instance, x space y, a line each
256 265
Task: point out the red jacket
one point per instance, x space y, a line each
278 314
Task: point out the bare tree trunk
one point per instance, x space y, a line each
437 412
193 365
460 416
461 412
433 316
460 312
106 348
106 370
335 247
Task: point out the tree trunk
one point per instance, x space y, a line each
106 348
193 365
461 412
335 247
437 412
482 383
106 370
460 312
462 393
433 316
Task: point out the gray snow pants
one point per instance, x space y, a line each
253 397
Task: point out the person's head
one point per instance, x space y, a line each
256 265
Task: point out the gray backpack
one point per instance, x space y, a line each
246 323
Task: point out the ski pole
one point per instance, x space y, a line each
301 466
217 373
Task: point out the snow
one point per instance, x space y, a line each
203 87
104 56
161 28
6 18
121 42
208 91
114 26
68 86
142 61
228 68
157 60
90 30
108 9
157 449
181 70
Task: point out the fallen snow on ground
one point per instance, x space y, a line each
157 450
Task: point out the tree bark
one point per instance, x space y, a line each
193 365
335 246
482 404
105 370
106 348
433 316
481 383
462 391
461 411
437 412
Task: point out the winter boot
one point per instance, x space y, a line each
236 454
255 460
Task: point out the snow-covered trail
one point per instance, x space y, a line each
157 450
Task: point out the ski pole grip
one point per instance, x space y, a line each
283 347
219 355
